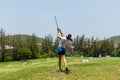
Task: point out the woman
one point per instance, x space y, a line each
61 50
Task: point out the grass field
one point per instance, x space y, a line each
46 69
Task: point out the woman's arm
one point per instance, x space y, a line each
60 33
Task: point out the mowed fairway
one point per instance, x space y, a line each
46 69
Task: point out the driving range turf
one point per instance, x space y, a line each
46 69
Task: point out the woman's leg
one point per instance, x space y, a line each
65 63
59 61
64 60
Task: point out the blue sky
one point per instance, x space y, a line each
98 18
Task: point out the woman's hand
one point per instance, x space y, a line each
58 29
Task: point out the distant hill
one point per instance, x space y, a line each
116 39
24 37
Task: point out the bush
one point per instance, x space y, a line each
113 54
48 55
8 58
24 53
118 52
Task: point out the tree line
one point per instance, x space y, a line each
17 48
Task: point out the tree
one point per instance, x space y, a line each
2 44
46 44
118 52
81 44
32 42
55 45
24 53
107 47
16 40
76 44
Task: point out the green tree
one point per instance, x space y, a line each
2 44
15 42
33 45
118 52
55 45
76 45
24 53
107 47
47 44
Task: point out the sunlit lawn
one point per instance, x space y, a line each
46 69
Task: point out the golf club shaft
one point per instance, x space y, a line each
56 21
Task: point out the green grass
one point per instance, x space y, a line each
43 69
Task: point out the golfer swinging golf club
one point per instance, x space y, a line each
61 50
